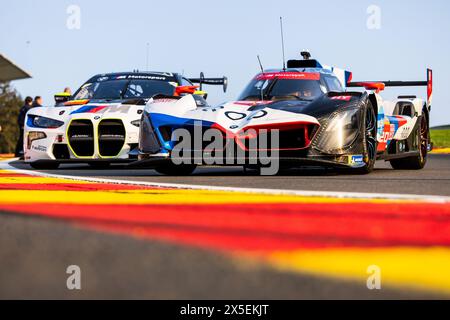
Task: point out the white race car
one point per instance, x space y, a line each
99 124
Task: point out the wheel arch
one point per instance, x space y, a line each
373 99
426 113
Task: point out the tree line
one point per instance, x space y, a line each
10 104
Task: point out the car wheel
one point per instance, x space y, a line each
416 162
44 165
172 169
369 129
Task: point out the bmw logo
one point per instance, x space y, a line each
96 117
233 127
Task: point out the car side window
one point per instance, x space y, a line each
333 84
185 82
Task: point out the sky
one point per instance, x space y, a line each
395 40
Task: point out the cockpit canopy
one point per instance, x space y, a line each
290 85
126 86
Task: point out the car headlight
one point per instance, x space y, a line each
34 135
340 132
43 122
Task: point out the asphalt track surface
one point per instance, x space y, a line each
35 251
433 180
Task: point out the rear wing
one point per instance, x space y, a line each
380 85
211 81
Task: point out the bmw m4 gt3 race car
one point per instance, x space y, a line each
99 124
318 119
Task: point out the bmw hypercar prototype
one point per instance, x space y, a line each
319 121
99 124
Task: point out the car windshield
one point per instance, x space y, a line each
283 88
123 89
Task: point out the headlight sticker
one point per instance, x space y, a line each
43 122
340 132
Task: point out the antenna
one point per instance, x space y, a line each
262 86
260 64
146 60
282 43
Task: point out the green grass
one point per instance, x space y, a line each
444 127
440 138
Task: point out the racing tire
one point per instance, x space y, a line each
172 169
99 165
416 162
369 129
44 165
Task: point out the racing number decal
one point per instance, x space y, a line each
386 136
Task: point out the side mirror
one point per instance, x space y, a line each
62 97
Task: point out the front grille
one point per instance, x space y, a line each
111 137
196 135
81 138
296 137
291 137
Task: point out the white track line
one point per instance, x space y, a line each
331 194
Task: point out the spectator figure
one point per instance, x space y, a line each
37 101
21 122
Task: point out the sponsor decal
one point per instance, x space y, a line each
391 125
164 100
88 109
142 77
289 75
385 138
388 133
341 98
103 109
39 148
356 159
